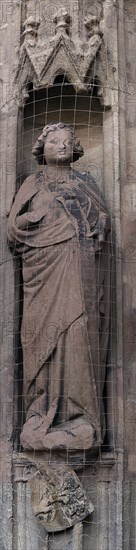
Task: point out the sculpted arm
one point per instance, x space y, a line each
18 220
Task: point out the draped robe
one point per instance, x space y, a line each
63 234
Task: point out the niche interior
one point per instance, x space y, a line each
84 111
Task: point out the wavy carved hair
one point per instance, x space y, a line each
38 148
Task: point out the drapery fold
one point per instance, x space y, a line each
63 234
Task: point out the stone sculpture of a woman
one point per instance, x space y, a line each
60 225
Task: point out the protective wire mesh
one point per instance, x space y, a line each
85 114
90 121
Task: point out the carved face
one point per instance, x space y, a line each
58 148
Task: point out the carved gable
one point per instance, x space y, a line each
78 59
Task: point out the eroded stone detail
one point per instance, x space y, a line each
62 21
60 326
60 225
31 30
63 53
58 498
92 24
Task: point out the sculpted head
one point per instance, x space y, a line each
57 144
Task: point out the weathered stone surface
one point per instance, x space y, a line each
58 498
66 227
75 435
129 244
109 140
40 58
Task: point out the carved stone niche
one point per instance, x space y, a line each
62 80
68 503
59 102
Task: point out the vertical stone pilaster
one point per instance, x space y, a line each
129 242
111 152
10 40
